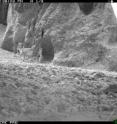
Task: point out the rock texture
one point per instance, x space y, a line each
18 16
3 13
31 91
44 92
81 38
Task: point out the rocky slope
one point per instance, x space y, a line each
30 91
45 92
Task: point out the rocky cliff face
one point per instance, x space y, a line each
82 37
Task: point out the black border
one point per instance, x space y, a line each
54 1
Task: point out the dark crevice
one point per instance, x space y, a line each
47 49
47 53
3 13
86 8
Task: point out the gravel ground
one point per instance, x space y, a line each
30 91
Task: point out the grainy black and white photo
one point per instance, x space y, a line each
58 61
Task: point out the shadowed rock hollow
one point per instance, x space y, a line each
3 13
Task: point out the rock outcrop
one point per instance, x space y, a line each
81 37
18 16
